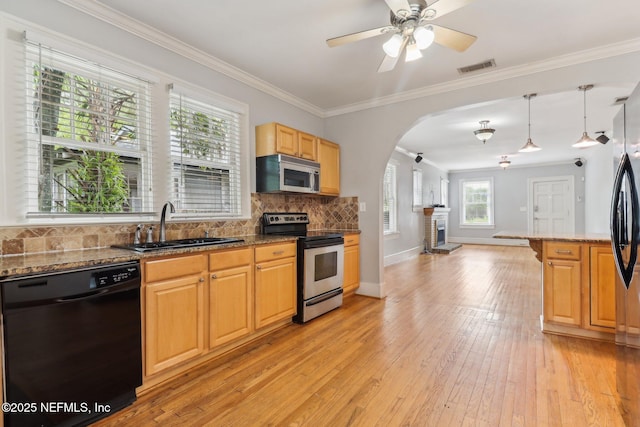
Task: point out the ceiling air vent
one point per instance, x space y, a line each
621 100
477 67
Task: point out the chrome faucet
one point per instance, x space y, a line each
163 236
136 236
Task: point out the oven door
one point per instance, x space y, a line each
323 268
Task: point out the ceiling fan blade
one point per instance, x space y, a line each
354 37
452 39
442 7
396 5
389 62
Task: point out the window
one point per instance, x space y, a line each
476 204
417 189
205 154
389 204
88 133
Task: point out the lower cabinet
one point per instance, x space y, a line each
579 289
174 296
351 280
275 283
230 295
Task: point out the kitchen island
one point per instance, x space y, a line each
578 282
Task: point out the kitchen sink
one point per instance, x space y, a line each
180 243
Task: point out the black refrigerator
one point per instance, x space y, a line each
625 228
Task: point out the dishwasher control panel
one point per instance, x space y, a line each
113 276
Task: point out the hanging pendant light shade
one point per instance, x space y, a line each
529 147
504 163
484 132
585 141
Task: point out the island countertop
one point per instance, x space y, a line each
561 237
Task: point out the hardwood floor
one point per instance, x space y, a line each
456 342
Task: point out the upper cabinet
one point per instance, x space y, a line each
274 138
329 159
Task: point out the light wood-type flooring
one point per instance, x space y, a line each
456 342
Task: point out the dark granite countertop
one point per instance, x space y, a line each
11 265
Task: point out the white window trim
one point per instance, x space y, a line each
491 204
395 229
417 200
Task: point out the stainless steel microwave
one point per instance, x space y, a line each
281 173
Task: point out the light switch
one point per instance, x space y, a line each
363 207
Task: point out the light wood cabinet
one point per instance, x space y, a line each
230 295
602 287
275 283
274 138
329 159
562 283
174 298
351 280
578 289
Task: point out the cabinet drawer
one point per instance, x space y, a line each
351 239
563 250
228 259
277 251
169 268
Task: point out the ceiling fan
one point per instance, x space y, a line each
412 31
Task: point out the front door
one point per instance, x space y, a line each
551 202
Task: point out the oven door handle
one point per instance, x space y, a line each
323 297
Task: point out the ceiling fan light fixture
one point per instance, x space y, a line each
585 140
424 37
484 133
392 46
413 52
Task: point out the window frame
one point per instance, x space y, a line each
393 208
490 224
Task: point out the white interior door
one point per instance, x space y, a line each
551 205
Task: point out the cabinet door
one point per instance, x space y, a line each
602 287
329 159
286 140
230 304
174 322
562 281
275 291
307 146
351 265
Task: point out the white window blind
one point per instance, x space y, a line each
206 156
88 131
389 206
417 189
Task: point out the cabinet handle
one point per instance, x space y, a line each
214 276
350 241
278 252
258 267
201 279
564 251
549 262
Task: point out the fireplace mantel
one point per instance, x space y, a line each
429 211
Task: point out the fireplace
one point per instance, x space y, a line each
435 227
441 232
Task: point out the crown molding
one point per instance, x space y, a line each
146 32
493 76
150 34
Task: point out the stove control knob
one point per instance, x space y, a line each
276 218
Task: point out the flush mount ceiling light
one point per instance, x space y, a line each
419 158
504 163
484 132
529 147
585 141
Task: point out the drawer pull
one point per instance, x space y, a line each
214 276
549 262
201 279
564 251
278 252
259 267
350 241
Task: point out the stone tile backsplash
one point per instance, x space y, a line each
339 213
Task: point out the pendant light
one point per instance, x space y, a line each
504 163
484 132
585 141
529 147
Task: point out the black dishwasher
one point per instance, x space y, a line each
71 345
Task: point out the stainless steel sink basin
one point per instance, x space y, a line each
180 243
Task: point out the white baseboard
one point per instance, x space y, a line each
488 241
402 256
368 289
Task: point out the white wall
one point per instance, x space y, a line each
599 174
